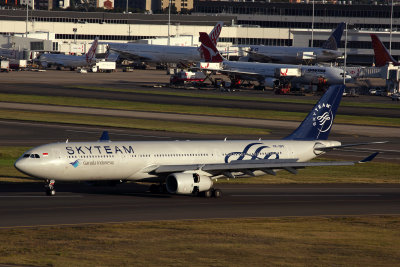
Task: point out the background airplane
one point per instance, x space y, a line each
382 55
265 73
188 167
163 53
70 61
298 55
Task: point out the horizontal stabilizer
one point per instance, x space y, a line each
323 148
369 158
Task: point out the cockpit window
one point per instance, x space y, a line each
32 156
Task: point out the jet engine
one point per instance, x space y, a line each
187 183
271 82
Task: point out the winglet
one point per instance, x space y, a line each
369 158
104 137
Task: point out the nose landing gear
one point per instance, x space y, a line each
49 188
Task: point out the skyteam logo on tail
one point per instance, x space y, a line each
323 117
75 163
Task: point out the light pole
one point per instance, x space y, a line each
391 27
312 25
26 24
127 7
345 56
169 19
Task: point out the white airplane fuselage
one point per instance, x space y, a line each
293 55
91 161
158 53
309 74
68 61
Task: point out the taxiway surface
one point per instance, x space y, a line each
24 204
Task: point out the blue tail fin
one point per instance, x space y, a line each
318 123
333 41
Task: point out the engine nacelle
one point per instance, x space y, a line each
187 183
271 82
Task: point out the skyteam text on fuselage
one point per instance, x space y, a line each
187 167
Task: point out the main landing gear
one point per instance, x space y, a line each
49 188
217 193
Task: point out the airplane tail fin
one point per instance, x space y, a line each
333 41
382 56
92 51
318 123
214 34
208 49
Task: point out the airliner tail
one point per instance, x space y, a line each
333 41
318 123
209 51
382 55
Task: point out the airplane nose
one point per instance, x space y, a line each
18 165
22 166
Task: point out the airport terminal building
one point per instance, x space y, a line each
246 23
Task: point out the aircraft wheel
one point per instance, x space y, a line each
208 193
217 193
51 192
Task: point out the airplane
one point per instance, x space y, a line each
188 167
382 55
266 73
297 55
70 61
163 53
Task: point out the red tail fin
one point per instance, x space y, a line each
92 51
214 34
382 56
208 49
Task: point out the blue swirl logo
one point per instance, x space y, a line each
252 155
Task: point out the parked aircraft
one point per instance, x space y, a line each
188 167
70 61
163 53
382 55
298 55
266 73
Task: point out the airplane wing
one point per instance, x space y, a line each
243 74
260 57
132 56
247 167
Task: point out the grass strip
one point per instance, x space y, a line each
234 97
156 125
197 110
373 172
292 241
